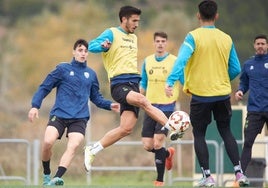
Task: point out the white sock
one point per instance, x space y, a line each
206 172
96 148
167 126
237 168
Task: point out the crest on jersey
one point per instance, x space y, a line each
86 74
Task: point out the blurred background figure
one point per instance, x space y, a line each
254 78
206 63
155 69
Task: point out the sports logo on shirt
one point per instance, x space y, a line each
54 118
246 124
86 74
266 65
125 89
71 73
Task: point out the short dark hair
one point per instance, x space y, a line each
127 11
160 34
208 9
80 42
261 36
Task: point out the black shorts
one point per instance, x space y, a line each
255 122
72 125
201 113
151 127
119 93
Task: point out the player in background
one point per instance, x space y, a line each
206 63
118 47
254 78
75 83
155 70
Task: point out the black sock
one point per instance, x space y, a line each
160 159
167 153
60 172
46 166
205 172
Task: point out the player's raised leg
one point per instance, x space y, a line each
128 120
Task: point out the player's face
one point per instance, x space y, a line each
260 46
131 23
160 44
80 54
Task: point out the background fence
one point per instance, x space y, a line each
32 162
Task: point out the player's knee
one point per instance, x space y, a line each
47 144
125 131
147 147
73 147
143 102
157 145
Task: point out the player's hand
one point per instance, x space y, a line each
168 91
32 114
115 107
106 44
239 95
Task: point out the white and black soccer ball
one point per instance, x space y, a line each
179 121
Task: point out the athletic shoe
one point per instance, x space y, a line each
88 158
235 184
175 135
206 182
46 179
56 181
158 183
169 159
241 179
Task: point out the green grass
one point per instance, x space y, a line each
141 179
114 186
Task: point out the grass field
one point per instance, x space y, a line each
94 186
106 186
99 186
103 180
116 180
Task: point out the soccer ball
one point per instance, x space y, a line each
179 121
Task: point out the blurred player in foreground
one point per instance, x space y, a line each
206 64
75 83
